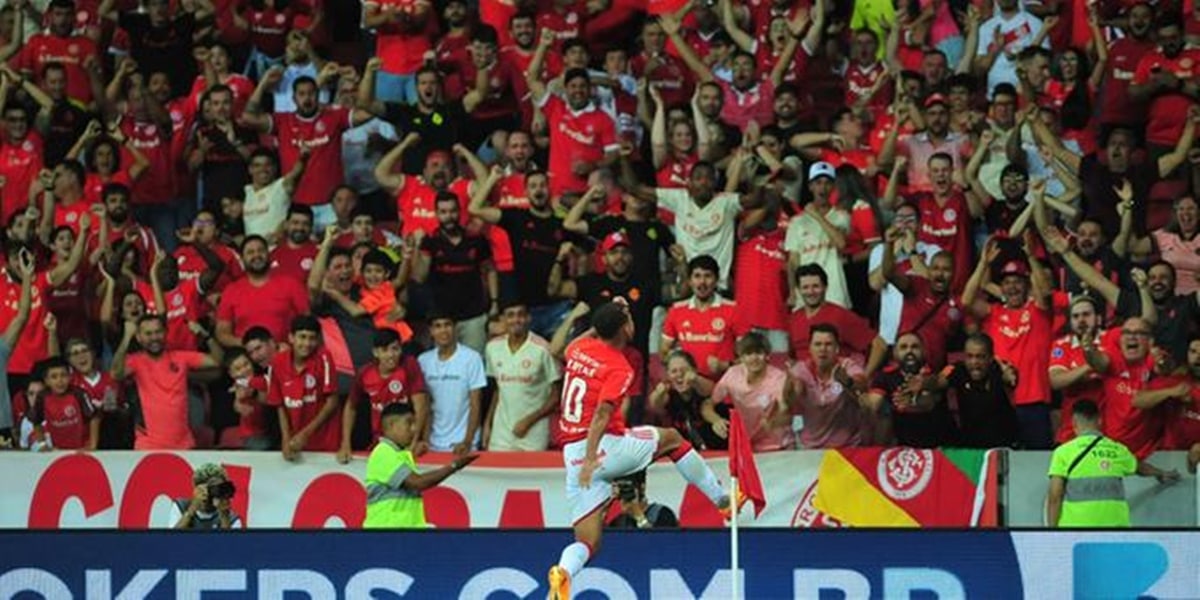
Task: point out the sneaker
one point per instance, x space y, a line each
560 584
727 510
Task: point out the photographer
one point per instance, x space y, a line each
636 511
209 507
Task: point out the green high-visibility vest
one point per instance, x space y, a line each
390 505
1095 490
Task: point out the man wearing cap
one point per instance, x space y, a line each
619 280
1021 328
920 147
818 235
209 507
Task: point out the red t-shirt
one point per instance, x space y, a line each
294 261
676 172
69 216
272 305
593 373
322 133
854 332
1022 338
192 265
268 29
69 302
19 166
65 417
93 185
398 386
861 80
45 48
672 77
743 106
1167 113
31 346
1124 55
253 424
184 303
163 398
566 24
1067 353
704 332
760 280
415 202
576 136
948 226
1183 416
302 392
937 319
1138 429
101 390
403 52
156 185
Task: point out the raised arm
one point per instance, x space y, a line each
972 300
254 116
660 149
975 192
533 75
1093 279
365 98
385 174
26 271
60 273
671 26
117 370
292 178
479 198
744 40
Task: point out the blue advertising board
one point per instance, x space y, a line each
510 564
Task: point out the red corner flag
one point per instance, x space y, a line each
741 463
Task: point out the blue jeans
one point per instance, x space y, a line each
392 87
162 219
545 319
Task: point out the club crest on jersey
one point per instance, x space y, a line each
950 214
1057 353
395 387
310 381
718 324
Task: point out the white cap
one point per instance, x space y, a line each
821 169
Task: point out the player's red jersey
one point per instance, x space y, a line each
594 373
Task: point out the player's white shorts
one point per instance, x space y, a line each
618 455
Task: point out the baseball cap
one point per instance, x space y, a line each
821 169
934 99
1015 267
613 240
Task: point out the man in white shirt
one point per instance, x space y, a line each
454 376
1010 30
268 195
818 235
526 377
911 256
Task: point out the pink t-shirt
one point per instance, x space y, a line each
754 402
1184 255
162 393
831 419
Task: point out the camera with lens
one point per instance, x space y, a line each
221 491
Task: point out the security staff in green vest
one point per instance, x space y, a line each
1087 475
393 484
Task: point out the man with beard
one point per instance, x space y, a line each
945 212
416 197
1093 248
1166 79
302 387
259 298
160 376
537 236
911 393
438 125
294 255
268 195
1181 393
315 129
1020 326
619 280
921 148
855 335
1070 374
705 325
218 147
1124 374
929 307
1117 107
118 224
455 264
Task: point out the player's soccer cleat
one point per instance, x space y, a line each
560 583
727 510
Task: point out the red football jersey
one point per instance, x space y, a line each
594 373
1138 429
397 386
322 133
65 417
302 393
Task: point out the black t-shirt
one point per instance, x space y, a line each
439 130
1113 267
929 429
224 168
597 289
657 514
160 48
535 242
986 418
68 121
646 240
456 273
1177 320
1100 200
357 331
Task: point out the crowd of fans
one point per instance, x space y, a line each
256 224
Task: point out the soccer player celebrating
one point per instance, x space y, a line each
597 448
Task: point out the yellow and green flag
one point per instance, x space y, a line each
903 487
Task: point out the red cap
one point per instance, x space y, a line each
1015 267
613 240
935 99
